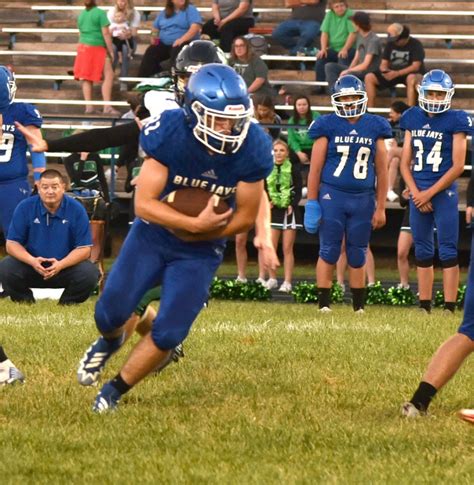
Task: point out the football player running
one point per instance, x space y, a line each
436 135
190 59
212 137
347 186
435 139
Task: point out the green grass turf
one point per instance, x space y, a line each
267 393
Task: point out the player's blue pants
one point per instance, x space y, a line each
446 219
11 194
467 325
349 214
149 256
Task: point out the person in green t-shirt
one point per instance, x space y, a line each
298 139
94 54
337 38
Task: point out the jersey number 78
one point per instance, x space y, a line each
360 165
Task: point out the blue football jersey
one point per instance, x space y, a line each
13 161
350 158
169 139
432 141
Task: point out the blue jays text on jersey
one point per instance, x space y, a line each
169 140
350 158
13 161
432 141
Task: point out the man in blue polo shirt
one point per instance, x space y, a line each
48 245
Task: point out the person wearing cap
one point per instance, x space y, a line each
368 52
337 38
402 63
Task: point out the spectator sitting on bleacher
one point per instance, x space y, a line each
265 114
402 63
298 139
299 33
253 70
178 24
124 22
230 18
94 54
48 245
367 56
337 38
394 146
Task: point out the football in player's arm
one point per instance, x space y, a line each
347 186
211 144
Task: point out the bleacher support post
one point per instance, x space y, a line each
41 20
12 41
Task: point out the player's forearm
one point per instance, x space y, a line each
17 251
160 213
97 139
76 256
263 222
446 180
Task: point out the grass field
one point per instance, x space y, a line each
267 393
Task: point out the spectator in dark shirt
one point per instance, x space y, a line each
230 18
265 114
48 245
402 63
253 70
299 33
394 146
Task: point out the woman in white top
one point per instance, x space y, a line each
124 22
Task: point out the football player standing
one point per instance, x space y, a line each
347 186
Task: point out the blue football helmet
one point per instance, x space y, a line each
435 80
7 88
349 85
217 94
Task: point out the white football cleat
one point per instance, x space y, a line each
9 374
96 356
325 309
467 415
410 411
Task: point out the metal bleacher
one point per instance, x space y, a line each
39 41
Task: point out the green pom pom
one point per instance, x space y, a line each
375 294
234 290
305 292
337 293
439 299
400 297
461 296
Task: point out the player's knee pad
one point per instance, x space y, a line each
168 338
424 263
331 234
449 263
106 320
356 256
330 254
